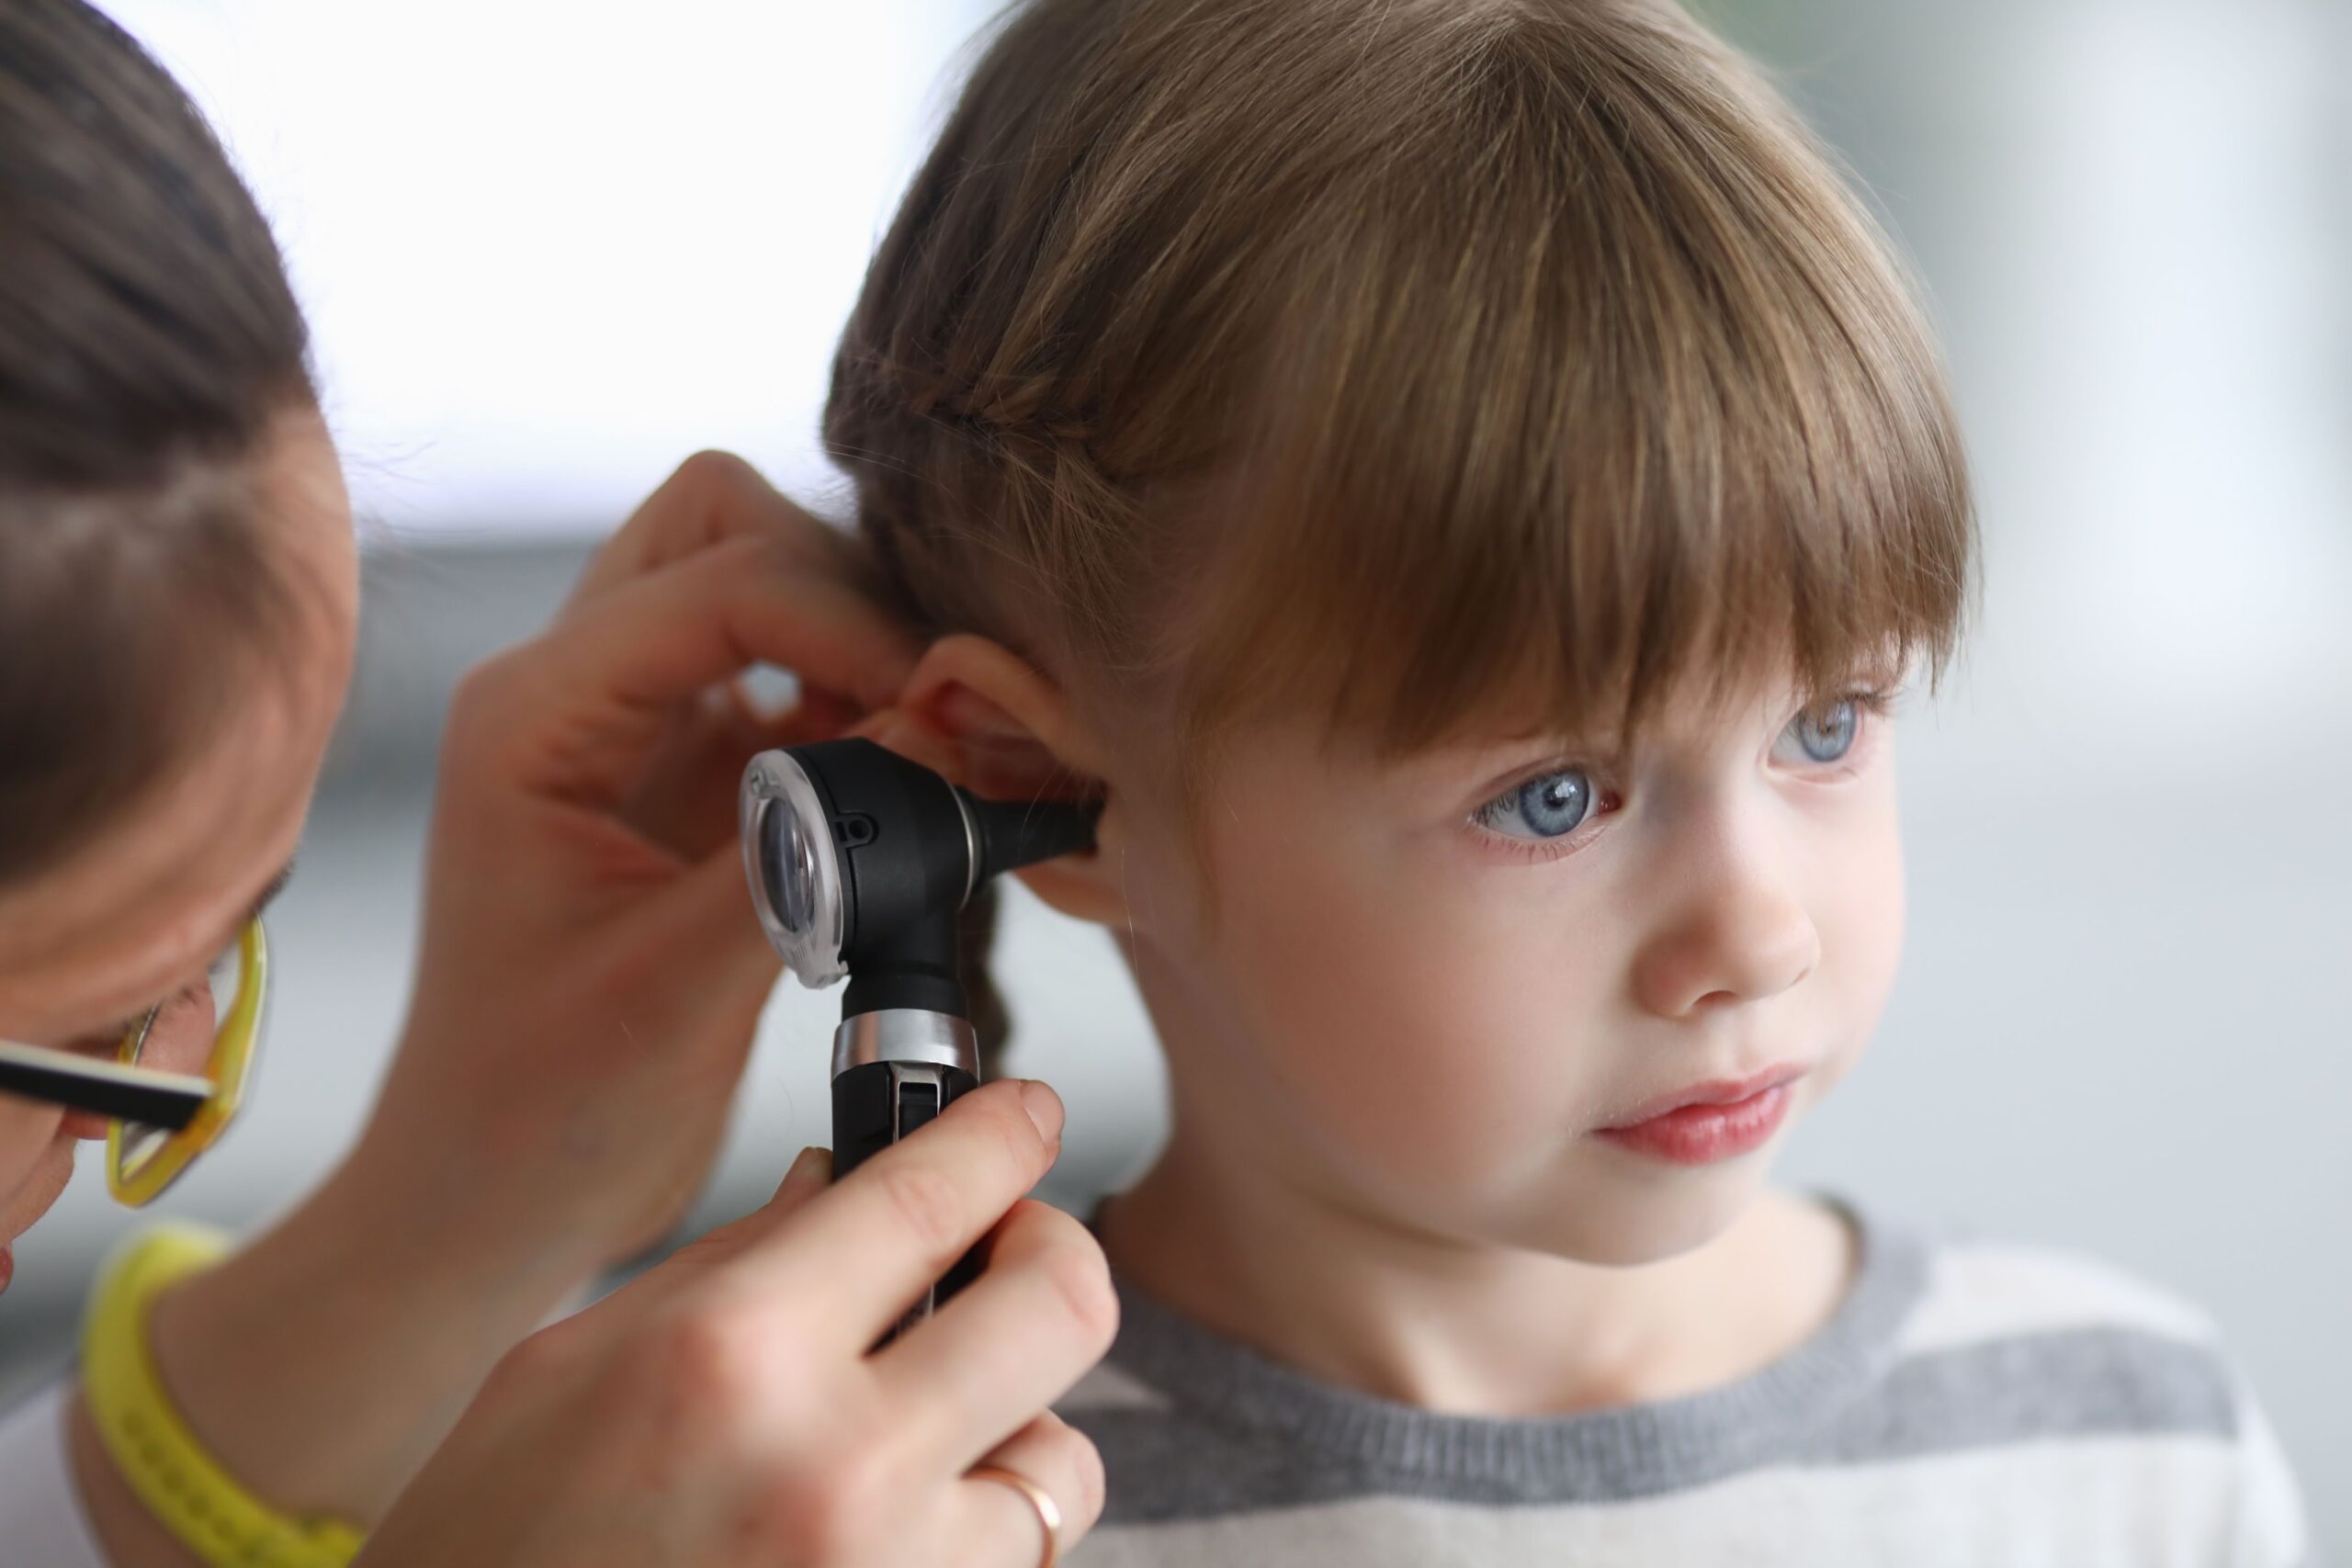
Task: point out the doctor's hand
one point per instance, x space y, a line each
722 1410
590 978
591 970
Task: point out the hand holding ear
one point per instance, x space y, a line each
591 970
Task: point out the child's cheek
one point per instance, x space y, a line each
1859 907
1870 940
1427 1052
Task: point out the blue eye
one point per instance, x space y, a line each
1823 734
1552 805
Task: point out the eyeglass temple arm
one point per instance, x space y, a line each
143 1095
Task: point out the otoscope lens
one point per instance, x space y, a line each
791 867
795 876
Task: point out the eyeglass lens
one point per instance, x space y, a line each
181 1039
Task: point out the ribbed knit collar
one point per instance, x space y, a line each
1641 1448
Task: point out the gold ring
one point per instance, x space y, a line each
1048 1515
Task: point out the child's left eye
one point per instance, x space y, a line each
1824 733
1552 806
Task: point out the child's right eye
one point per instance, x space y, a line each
1550 805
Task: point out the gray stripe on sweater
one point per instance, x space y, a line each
1170 1465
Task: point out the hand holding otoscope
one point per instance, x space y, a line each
725 1409
860 862
746 1370
758 1397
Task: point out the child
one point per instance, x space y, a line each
1465 480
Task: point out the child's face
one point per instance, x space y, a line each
1438 1019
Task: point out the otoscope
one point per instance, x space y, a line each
860 861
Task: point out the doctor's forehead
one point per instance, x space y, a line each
114 928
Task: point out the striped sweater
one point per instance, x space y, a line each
1969 1403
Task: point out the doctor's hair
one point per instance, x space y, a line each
1417 370
148 341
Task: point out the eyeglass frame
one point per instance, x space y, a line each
193 1109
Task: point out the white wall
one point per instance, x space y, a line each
550 248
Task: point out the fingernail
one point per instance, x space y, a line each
807 1169
1044 1108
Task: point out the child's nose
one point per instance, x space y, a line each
1746 940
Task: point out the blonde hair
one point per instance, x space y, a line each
1420 367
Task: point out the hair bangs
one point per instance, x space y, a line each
1594 393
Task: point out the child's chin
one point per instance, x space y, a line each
1616 1222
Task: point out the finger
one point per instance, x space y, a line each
819 715
891 1229
589 1335
594 697
1039 1316
685 796
1058 1460
710 498
811 1173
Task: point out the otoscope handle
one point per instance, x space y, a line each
877 1104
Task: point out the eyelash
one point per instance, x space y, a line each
1875 704
1539 850
110 1039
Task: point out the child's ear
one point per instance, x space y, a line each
980 716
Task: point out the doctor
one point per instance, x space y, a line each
177 610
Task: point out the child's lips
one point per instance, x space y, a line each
1714 1091
1705 1122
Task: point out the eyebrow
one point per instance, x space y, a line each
268 895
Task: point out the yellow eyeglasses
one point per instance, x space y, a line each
177 1077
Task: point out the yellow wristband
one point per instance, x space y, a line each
181 1483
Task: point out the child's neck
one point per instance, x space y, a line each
1466 1329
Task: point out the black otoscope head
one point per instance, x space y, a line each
859 860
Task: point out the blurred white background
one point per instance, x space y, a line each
550 250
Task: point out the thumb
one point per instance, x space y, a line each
811 1173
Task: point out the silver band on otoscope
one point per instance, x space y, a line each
906 1034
